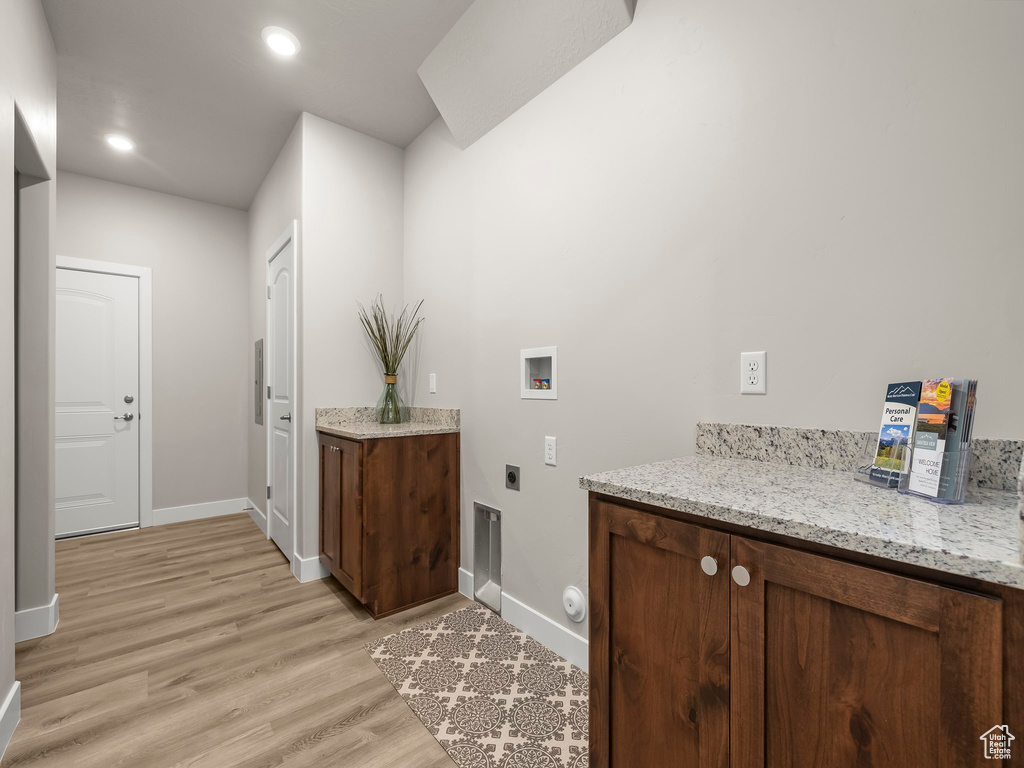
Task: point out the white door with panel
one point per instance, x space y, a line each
97 399
280 378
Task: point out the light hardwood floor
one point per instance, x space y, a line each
193 645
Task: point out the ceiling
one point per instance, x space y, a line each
210 106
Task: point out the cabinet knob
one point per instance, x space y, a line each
709 565
741 575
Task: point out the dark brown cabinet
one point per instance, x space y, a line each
341 511
659 642
835 664
389 518
793 660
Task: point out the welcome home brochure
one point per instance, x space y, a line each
942 438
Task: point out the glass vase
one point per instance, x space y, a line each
389 406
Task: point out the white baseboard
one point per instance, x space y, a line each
566 643
198 511
308 569
548 633
258 516
35 622
466 583
10 716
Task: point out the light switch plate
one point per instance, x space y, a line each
550 451
433 383
753 373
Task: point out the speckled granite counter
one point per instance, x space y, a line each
361 423
981 539
996 462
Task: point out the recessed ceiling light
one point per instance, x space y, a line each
120 143
281 41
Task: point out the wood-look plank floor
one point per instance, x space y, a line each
193 645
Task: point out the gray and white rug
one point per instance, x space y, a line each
492 696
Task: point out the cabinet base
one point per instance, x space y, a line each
424 601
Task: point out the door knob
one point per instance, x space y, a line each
709 565
286 417
741 575
126 417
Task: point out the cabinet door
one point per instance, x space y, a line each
330 505
350 565
341 511
659 641
837 665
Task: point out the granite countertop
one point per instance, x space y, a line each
361 423
980 539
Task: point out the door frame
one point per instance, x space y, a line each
145 277
290 235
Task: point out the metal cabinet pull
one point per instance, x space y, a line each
709 565
741 575
126 417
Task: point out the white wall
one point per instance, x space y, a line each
28 82
345 189
351 248
719 178
197 252
35 405
276 205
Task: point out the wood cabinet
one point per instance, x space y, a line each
797 661
835 664
389 518
659 642
341 511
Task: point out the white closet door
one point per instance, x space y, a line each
281 374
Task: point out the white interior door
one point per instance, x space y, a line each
97 398
281 368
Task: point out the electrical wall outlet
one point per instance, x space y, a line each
550 452
433 383
753 373
512 477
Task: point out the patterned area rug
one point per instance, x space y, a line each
492 696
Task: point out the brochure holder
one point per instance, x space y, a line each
955 469
893 462
935 461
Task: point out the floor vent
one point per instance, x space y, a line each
487 556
